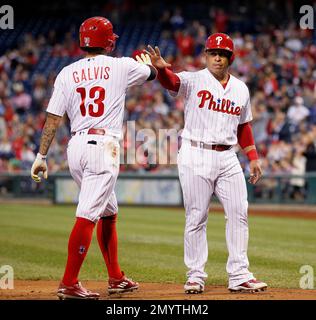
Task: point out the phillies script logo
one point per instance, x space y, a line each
224 105
218 40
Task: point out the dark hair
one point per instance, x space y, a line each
93 50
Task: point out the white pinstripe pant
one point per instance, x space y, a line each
95 168
203 172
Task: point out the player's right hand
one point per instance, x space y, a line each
143 58
39 165
156 59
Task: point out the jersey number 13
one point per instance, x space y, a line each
96 93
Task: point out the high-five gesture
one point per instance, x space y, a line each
156 59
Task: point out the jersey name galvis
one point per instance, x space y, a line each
92 92
93 73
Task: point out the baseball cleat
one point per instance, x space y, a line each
193 288
76 291
122 285
250 286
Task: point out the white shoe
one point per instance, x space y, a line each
193 287
252 285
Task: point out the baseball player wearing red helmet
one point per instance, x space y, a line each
217 115
92 92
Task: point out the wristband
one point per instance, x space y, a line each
252 155
41 156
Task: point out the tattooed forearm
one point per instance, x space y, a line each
49 130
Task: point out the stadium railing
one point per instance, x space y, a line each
157 189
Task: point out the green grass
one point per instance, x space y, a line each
33 239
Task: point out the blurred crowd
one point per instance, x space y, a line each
278 65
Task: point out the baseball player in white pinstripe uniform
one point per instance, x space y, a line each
217 116
92 93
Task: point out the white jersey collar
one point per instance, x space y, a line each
209 74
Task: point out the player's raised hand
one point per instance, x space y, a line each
143 58
255 171
156 59
39 165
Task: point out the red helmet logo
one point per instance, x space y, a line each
220 41
86 41
97 32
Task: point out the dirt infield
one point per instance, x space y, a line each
280 211
45 290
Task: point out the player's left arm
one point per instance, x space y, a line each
51 124
247 143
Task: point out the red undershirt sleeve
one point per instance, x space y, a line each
245 139
168 79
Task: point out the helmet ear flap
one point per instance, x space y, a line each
110 46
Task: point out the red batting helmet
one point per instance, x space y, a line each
97 32
220 41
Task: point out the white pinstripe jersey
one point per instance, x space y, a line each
212 113
92 91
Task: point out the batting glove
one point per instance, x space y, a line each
39 165
144 59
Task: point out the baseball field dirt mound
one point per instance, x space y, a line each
46 290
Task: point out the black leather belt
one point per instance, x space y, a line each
216 147
93 131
